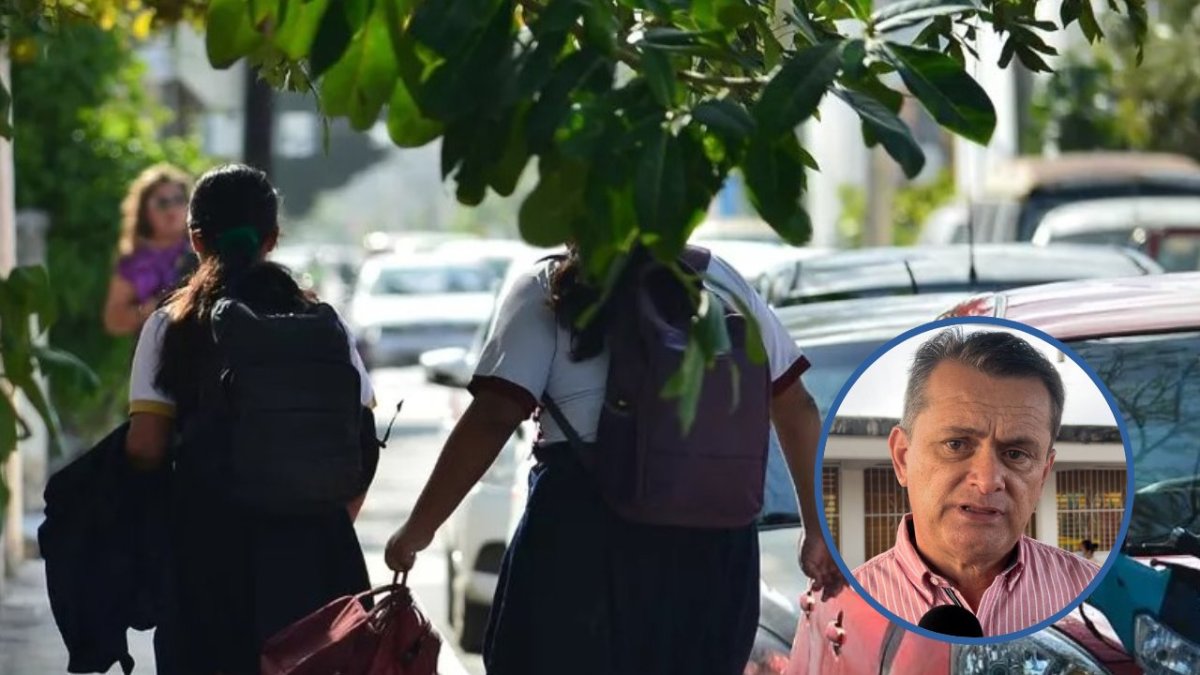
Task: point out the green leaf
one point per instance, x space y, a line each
547 213
554 102
295 35
659 194
774 171
600 26
30 286
25 381
952 96
1088 23
755 348
450 27
727 118
481 77
505 173
889 129
407 127
333 36
712 332
364 79
794 92
877 90
58 362
1139 21
854 57
660 76
230 34
9 422
685 384
862 8
559 16
901 15
772 49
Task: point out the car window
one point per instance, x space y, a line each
1106 237
1179 252
832 366
430 280
1155 380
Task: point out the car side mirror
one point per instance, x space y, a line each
448 367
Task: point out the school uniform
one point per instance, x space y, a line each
238 576
581 589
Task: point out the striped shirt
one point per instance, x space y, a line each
1040 582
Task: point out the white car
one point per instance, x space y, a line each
477 534
404 305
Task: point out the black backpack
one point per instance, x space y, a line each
292 401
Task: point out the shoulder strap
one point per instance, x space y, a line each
561 420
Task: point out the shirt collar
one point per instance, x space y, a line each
924 579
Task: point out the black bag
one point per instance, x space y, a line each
292 396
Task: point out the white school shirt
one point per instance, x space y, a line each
528 353
146 397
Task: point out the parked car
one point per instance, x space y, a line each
329 270
912 270
1142 336
1020 192
1166 229
477 534
405 305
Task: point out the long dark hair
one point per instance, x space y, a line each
573 294
234 210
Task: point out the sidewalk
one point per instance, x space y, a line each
29 640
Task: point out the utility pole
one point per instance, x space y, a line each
258 126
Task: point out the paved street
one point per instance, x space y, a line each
29 641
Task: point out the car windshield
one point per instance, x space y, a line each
1156 382
431 280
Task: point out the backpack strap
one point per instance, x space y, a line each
560 419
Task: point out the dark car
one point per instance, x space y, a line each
899 270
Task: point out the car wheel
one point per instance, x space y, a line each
472 625
451 606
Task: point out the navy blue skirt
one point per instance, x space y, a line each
584 591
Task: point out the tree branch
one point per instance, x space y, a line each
632 59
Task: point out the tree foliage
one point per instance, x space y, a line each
632 111
84 128
1103 99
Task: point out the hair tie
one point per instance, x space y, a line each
243 238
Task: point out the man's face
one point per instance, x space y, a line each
974 463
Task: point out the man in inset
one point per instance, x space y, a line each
974 448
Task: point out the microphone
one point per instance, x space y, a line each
951 620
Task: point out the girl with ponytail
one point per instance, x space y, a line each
238 575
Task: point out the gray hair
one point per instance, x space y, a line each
994 353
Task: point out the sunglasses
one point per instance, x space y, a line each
164 203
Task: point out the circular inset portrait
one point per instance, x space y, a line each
982 479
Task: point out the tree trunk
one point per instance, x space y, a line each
258 128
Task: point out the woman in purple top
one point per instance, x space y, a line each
154 250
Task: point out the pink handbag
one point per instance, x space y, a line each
345 638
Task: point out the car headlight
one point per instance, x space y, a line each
770 655
1044 653
1161 651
